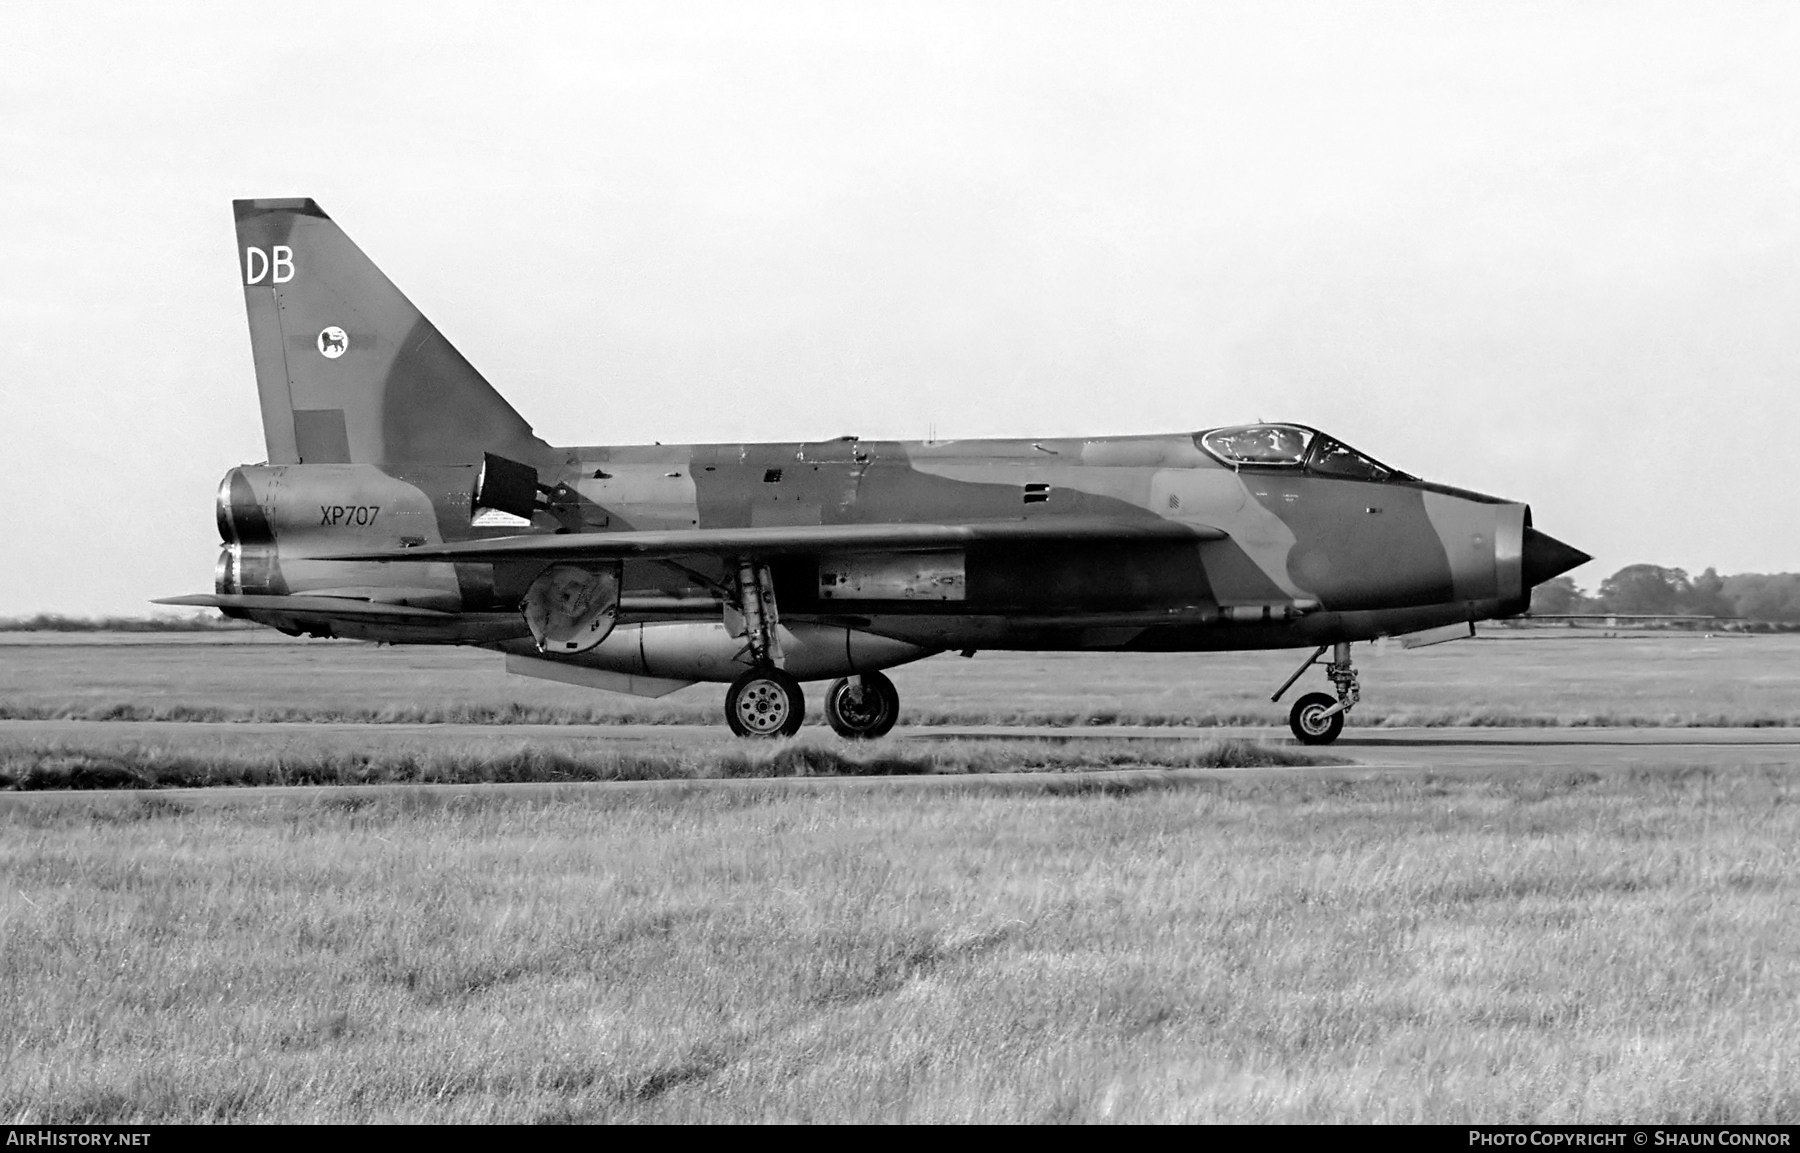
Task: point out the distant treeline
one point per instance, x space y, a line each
1652 589
57 623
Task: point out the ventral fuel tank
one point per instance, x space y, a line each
689 651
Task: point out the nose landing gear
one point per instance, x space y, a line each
1317 719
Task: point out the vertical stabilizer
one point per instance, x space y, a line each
347 370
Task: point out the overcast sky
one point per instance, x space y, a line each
1550 252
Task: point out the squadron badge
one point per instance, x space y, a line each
333 341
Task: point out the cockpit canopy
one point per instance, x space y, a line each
1292 446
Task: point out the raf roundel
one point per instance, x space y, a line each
333 342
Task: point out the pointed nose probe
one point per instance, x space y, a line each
1546 557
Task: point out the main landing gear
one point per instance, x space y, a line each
1316 718
765 702
862 707
768 702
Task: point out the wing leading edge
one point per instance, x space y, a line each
790 540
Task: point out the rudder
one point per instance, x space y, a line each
348 371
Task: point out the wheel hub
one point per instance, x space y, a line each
763 707
859 708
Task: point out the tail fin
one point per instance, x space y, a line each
348 371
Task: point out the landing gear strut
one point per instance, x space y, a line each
1317 719
756 604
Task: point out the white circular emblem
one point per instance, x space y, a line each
333 341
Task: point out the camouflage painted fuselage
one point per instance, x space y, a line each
1305 559
405 500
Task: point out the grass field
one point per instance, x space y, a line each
1518 945
1509 947
303 756
1523 677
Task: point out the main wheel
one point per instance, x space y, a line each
765 703
865 712
1310 724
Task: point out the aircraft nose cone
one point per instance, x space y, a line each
1546 557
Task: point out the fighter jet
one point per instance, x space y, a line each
404 500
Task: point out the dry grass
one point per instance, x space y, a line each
1540 677
307 760
1508 947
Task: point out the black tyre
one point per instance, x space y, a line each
765 703
1310 724
862 713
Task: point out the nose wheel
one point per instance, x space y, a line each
1318 718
